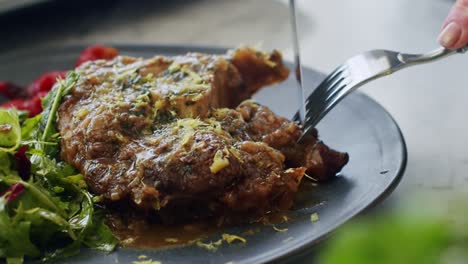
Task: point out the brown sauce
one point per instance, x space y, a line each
163 236
305 197
139 233
144 235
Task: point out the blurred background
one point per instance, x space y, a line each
428 102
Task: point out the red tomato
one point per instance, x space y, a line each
12 91
35 104
45 82
32 105
42 85
95 53
19 104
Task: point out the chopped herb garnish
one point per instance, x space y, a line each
213 246
174 67
149 261
314 217
171 240
280 229
232 238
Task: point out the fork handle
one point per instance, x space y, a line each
409 59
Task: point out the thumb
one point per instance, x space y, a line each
454 33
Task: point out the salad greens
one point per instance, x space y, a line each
424 230
46 213
10 131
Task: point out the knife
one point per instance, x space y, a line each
297 64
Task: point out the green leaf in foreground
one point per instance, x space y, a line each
10 130
99 236
29 128
54 215
418 234
15 241
5 164
46 130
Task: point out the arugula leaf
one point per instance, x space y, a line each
93 232
83 219
42 129
48 215
42 197
96 234
99 236
5 164
52 214
14 237
15 260
10 130
51 103
70 250
43 165
29 127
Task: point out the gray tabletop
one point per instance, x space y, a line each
428 102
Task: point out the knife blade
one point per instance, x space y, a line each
300 116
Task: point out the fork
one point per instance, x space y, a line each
356 72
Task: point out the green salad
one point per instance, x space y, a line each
46 212
426 230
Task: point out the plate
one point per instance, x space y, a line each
358 125
8 5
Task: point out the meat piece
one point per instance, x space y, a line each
320 161
268 187
159 134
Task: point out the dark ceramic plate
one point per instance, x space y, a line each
358 125
8 5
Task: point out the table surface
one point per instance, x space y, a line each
428 102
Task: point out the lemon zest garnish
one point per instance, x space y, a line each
220 162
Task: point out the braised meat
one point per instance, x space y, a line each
320 161
162 134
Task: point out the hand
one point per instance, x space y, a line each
454 34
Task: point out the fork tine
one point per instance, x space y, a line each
320 101
327 90
296 117
322 91
321 88
339 95
317 99
315 116
333 92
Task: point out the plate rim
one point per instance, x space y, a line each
293 251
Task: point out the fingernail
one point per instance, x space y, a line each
450 35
